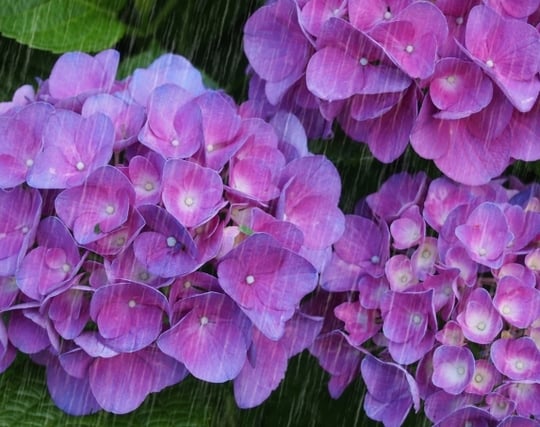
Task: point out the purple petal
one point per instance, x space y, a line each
168 68
21 142
517 303
386 135
364 14
413 37
479 320
90 141
191 193
267 281
518 359
71 394
459 88
129 316
453 368
274 43
212 338
78 73
97 207
506 50
261 375
121 383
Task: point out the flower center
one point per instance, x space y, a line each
426 254
79 166
387 15
375 259
187 284
131 303
204 321
478 378
416 319
409 48
210 148
175 143
459 20
171 241
188 201
148 186
144 276
482 252
506 310
490 63
109 210
460 370
451 79
250 279
481 326
519 365
66 267
363 61
29 163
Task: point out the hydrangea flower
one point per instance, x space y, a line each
461 320
120 203
361 64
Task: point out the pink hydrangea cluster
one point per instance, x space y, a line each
432 295
472 66
150 230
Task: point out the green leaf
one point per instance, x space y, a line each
63 25
21 65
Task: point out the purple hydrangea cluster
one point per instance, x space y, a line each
151 230
472 65
432 295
